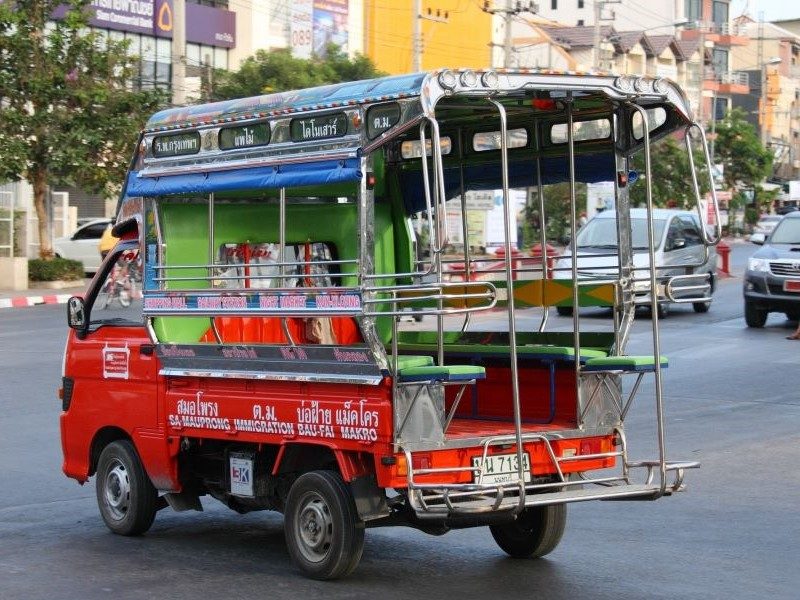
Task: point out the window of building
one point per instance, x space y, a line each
720 108
580 5
693 10
720 61
553 4
580 22
214 3
719 13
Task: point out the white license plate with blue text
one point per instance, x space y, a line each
502 468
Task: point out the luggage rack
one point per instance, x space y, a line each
437 500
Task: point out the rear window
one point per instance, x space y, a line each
256 266
599 129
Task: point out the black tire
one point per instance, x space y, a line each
324 535
701 307
663 310
564 311
534 533
754 316
127 499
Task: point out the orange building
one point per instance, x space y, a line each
453 33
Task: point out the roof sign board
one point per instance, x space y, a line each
319 127
176 144
244 136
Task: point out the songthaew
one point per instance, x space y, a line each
271 248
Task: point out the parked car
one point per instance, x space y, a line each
766 224
82 245
678 241
772 278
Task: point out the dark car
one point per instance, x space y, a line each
772 279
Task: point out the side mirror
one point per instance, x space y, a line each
678 243
758 238
76 313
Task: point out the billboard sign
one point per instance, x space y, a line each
302 28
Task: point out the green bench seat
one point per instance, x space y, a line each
443 373
636 364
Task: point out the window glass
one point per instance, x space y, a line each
220 58
256 266
413 148
786 232
490 140
90 232
120 297
602 233
599 129
193 57
690 231
656 117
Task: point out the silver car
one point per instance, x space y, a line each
677 239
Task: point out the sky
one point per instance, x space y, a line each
774 10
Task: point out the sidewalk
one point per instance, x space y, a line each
35 296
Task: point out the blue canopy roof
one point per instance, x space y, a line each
256 178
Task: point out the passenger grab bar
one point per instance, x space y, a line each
717 227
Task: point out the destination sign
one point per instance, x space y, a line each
381 118
178 144
244 136
318 128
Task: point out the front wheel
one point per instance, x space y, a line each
535 532
701 307
127 499
323 532
754 316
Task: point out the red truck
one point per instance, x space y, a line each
247 340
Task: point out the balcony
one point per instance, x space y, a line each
722 34
734 82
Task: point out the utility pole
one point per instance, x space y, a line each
438 17
178 52
762 109
512 9
598 16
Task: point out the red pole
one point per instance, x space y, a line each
724 251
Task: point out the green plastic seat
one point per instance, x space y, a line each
409 361
624 363
442 373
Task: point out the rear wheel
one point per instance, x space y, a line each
535 532
323 532
754 316
127 499
663 310
564 311
701 307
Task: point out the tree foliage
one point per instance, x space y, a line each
69 114
737 146
671 176
277 70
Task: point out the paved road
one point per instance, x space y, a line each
732 402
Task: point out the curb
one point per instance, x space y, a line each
23 301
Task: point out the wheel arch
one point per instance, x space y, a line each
101 439
303 457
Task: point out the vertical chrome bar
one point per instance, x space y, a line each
573 233
465 231
211 252
427 185
438 180
717 224
542 221
282 254
366 261
512 322
654 299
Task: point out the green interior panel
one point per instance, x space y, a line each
185 229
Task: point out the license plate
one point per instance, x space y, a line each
791 285
502 468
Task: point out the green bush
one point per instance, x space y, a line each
55 269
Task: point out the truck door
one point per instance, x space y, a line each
113 366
